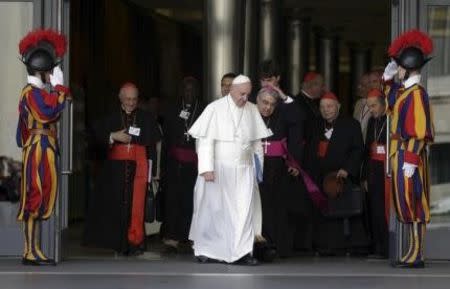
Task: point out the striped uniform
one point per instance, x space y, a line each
39 112
411 130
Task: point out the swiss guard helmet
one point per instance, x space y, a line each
41 50
411 49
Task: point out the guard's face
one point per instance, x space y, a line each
376 107
401 73
129 99
329 108
240 92
266 104
225 85
270 81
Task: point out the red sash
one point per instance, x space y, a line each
183 155
323 148
377 155
138 154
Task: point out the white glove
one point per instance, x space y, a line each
57 78
409 169
391 70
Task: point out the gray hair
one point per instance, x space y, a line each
270 91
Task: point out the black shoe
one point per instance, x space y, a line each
415 265
206 260
169 250
376 256
47 262
247 260
264 252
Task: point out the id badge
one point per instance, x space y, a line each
381 150
184 114
136 131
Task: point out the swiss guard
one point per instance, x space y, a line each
411 131
41 103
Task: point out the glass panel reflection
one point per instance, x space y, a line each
438 85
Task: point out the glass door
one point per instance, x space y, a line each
16 19
435 20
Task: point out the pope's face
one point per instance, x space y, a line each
266 104
376 107
329 108
129 99
240 92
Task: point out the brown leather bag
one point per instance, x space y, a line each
332 185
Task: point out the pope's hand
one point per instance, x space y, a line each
56 78
121 136
209 176
391 70
409 169
293 171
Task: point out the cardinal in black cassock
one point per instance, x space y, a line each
336 146
179 168
126 140
374 173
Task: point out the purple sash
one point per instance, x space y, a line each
279 149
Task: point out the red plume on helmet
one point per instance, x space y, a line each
412 38
55 39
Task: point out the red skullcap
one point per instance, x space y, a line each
310 76
374 92
329 95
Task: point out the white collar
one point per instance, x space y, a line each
35 81
411 81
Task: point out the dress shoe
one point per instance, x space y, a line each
247 260
37 262
206 260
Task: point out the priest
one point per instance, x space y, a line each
373 173
179 170
227 206
116 208
336 147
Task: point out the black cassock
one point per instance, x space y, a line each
310 112
374 172
345 151
283 196
109 204
178 171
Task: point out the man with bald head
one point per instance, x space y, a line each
116 209
335 152
227 207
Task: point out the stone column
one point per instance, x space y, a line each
250 42
327 58
360 58
269 29
224 29
298 34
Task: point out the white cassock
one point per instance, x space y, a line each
227 212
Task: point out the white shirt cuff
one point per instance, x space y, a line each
288 99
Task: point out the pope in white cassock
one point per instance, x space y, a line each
227 205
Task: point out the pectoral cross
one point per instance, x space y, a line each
266 144
188 137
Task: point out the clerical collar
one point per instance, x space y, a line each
307 95
412 80
35 81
